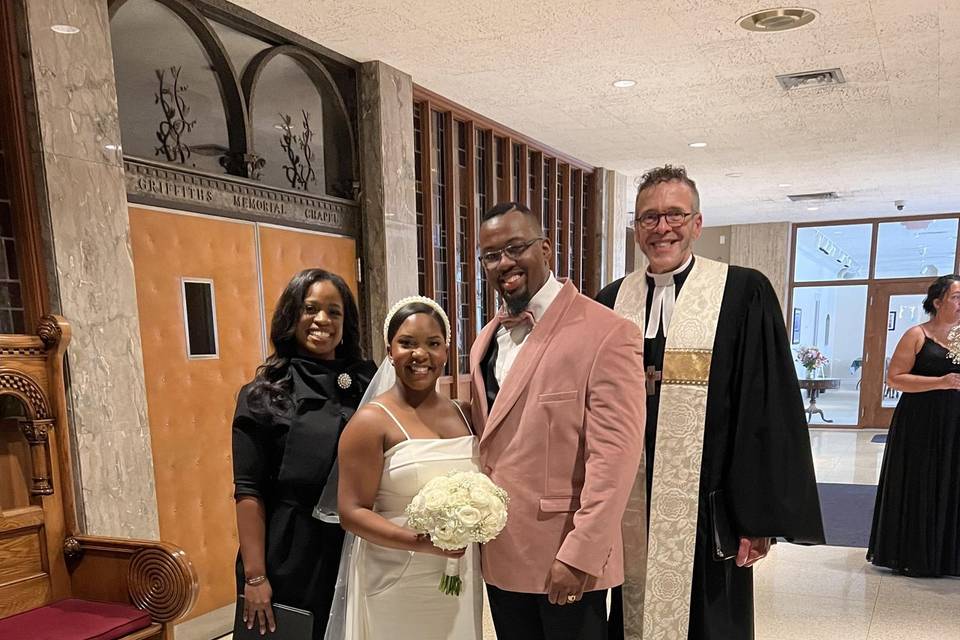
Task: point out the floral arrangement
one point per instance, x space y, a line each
811 358
455 510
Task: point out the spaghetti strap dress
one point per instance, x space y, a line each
393 593
916 520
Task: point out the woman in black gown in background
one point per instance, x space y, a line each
916 520
285 434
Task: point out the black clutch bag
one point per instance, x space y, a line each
292 624
725 542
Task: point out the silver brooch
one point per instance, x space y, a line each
344 381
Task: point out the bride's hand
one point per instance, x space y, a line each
425 545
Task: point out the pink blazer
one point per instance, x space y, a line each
564 438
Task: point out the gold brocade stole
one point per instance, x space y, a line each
656 601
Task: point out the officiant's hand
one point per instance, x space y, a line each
752 550
565 584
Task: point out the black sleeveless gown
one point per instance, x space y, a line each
916 520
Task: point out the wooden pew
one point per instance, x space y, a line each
56 582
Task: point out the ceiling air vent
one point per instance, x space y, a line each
805 79
808 197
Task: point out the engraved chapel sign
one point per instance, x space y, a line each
159 184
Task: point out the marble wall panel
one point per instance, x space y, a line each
618 200
389 192
73 79
84 197
766 248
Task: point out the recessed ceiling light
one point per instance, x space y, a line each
734 174
781 19
66 29
813 208
111 147
784 185
624 84
697 145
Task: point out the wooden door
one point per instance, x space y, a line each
285 252
893 307
191 399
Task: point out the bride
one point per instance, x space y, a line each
391 447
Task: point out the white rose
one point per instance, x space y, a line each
433 498
417 503
446 536
469 516
479 497
501 519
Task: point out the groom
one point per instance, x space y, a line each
556 385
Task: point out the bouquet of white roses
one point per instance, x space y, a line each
455 510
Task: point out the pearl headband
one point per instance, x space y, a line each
430 302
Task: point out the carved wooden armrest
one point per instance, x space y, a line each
154 576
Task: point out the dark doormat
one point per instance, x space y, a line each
847 513
880 438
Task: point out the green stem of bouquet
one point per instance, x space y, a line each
451 585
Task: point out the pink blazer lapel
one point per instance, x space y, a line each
477 351
526 363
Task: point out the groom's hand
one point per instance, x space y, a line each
565 581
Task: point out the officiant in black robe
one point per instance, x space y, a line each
756 448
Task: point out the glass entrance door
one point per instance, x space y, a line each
893 308
830 320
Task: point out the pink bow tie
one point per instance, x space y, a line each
508 321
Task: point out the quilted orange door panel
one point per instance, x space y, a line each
284 252
191 401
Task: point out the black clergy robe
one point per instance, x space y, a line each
755 447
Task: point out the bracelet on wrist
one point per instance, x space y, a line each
256 580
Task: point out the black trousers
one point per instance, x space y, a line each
530 616
616 614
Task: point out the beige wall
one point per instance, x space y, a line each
714 243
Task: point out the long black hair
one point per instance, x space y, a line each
270 389
937 290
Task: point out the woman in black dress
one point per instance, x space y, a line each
285 434
916 520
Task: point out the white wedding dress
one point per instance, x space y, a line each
392 594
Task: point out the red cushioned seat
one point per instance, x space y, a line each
75 620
